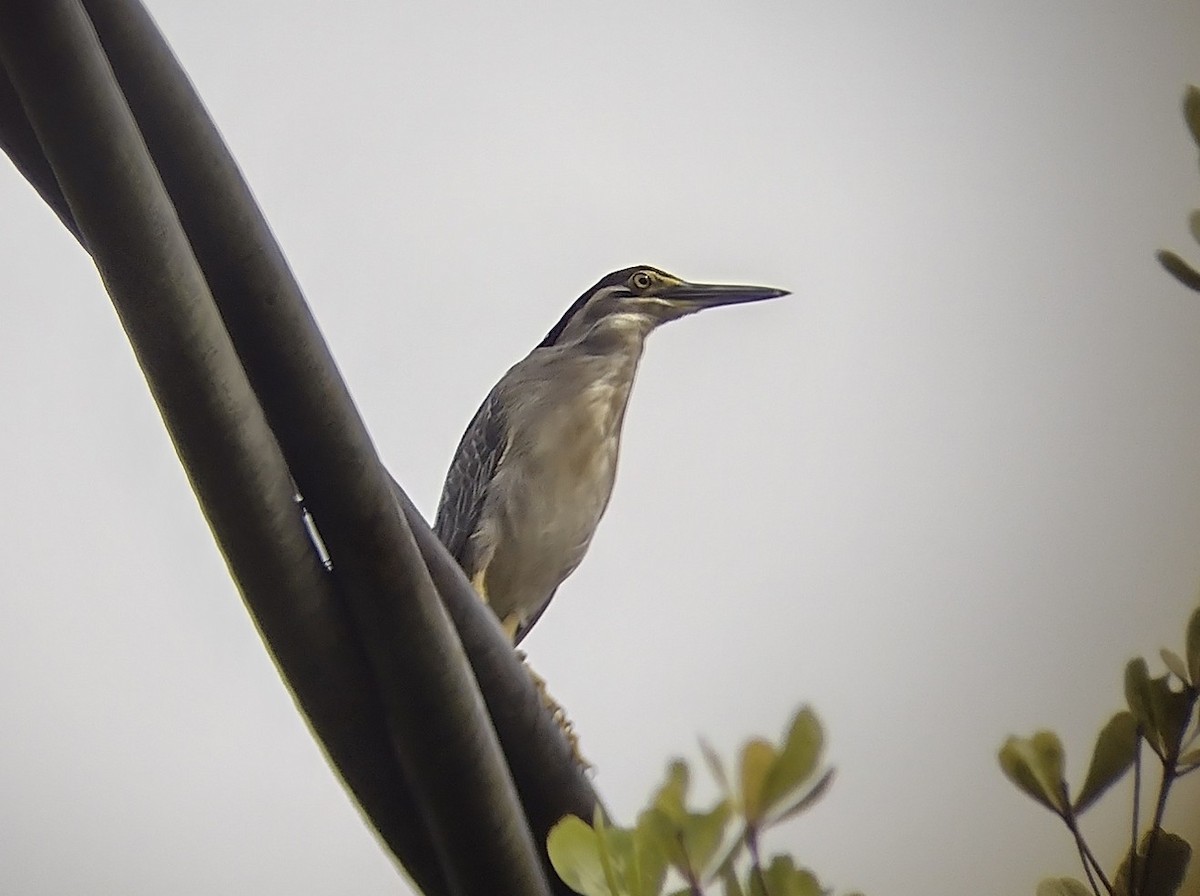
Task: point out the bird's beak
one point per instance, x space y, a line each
695 296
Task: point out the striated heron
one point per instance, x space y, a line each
535 468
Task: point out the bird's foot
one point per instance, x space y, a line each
559 714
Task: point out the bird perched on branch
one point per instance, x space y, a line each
534 471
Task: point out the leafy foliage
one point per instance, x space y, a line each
1116 747
773 783
1162 714
1062 886
1035 764
1174 264
716 845
1162 876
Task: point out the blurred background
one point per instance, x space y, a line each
942 493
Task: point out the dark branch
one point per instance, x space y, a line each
265 315
20 144
299 386
214 418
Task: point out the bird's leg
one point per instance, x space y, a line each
510 624
559 714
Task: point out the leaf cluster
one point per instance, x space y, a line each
715 845
1162 714
1174 264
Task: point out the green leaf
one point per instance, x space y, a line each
1116 746
1139 694
1162 712
783 878
755 885
795 762
574 851
713 761
730 885
817 791
1175 665
663 832
1179 269
1193 647
1191 112
660 827
734 845
1063 886
1137 691
757 758
1168 866
1035 765
1189 759
603 860
673 792
1173 710
1194 225
688 841
688 847
603 841
647 865
703 834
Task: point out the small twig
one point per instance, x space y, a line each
1083 859
1164 788
756 870
693 882
1170 756
1090 865
1137 804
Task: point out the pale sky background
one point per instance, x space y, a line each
942 493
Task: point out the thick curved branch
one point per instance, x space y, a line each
213 416
294 374
20 144
181 134
246 493
543 766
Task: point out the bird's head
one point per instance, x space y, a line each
643 298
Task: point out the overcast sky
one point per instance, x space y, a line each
942 493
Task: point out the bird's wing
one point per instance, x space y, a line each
524 627
475 463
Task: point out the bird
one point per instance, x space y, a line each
535 468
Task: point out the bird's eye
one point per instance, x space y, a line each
640 280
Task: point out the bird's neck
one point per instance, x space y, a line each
618 336
612 349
